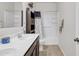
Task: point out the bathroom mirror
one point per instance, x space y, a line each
11 14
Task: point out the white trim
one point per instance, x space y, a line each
61 49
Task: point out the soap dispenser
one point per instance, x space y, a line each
5 40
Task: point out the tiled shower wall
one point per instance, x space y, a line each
49 22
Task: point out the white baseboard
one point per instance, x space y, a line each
61 49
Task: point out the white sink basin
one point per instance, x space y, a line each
8 52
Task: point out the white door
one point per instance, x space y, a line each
77 28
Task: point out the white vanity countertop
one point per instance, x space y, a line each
20 45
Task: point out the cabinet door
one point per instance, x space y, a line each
34 49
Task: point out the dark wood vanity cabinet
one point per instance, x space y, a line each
34 48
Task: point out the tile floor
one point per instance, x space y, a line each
50 50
